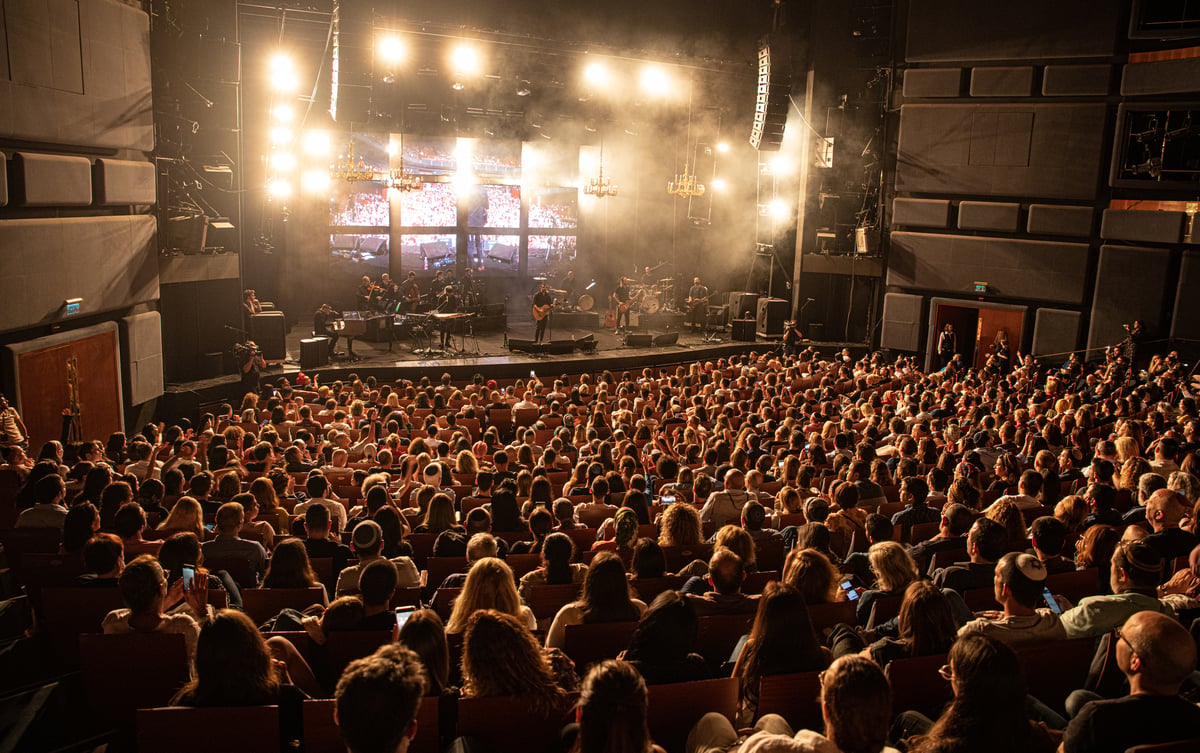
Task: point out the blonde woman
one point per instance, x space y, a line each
185 516
489 585
893 568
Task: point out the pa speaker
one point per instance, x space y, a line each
743 330
670 338
268 331
639 341
771 101
772 313
743 305
559 347
526 346
314 352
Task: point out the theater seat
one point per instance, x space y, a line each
795 697
177 729
261 604
588 644
151 668
321 733
917 686
508 725
675 708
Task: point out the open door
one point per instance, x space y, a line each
977 325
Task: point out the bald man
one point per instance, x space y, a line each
1156 654
726 505
1164 510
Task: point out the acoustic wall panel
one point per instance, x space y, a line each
1002 81
1076 80
989 215
1054 219
1012 268
1186 322
109 262
143 356
3 180
1144 226
901 322
43 43
1055 331
51 180
932 82
952 30
1131 282
124 182
1051 151
921 212
1161 77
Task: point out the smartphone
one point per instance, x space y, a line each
532 374
780 463
848 587
189 577
1051 601
666 499
402 615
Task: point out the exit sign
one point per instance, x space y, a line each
980 287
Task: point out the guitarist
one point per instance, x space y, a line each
697 304
542 303
621 300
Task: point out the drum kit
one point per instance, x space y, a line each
655 298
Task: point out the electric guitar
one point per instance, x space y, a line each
624 306
541 312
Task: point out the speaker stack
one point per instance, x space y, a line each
268 330
771 101
772 313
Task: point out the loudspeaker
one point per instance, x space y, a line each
772 313
527 346
269 332
743 305
559 347
670 338
639 341
314 352
743 330
770 103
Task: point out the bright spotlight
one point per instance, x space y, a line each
315 181
654 80
284 80
284 162
392 148
283 113
279 188
723 146
718 184
281 135
779 209
465 59
315 143
392 49
596 74
780 165
281 61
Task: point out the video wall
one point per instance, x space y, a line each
475 207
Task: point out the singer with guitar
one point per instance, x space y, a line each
542 303
621 300
697 304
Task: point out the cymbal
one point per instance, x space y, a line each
557 291
540 279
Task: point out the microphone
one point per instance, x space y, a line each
810 300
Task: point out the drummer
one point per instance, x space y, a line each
648 275
570 287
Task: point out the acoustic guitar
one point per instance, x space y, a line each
541 312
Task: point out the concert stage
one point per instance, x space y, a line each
485 353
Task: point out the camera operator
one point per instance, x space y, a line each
250 365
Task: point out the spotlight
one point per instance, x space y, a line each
283 162
723 146
283 113
315 181
654 80
718 184
315 143
281 61
281 135
778 209
464 58
279 188
596 74
392 49
780 165
284 80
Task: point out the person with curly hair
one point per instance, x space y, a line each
500 657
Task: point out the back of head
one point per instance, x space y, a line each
726 571
667 631
649 561
958 518
377 699
1140 563
478 520
316 518
229 516
377 582
894 568
990 537
130 520
142 584
857 702
1024 576
1166 649
482 545
233 665
753 515
926 620
367 538
1049 535
1031 483
102 552
612 710
1165 509
989 679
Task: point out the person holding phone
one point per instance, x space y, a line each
1025 617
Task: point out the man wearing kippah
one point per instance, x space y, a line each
1019 581
1136 569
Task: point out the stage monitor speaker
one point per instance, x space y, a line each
743 330
639 341
743 305
670 338
772 313
314 352
525 346
269 330
490 322
559 347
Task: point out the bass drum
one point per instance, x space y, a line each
586 302
651 305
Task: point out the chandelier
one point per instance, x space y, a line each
346 168
600 186
685 185
400 180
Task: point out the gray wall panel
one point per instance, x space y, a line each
932 82
3 180
143 356
124 182
977 149
1130 284
1012 268
1186 322
989 215
1053 219
921 212
901 322
52 180
1076 80
110 262
1002 81
1144 226
953 30
1161 77
1055 331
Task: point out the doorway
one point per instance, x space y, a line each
977 326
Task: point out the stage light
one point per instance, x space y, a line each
654 80
315 143
281 135
718 184
315 181
281 61
283 113
279 188
780 165
464 58
779 209
723 146
392 49
596 74
284 81
392 148
284 162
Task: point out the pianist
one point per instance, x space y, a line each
323 325
447 304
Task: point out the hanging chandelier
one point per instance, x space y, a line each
685 185
404 181
348 170
600 186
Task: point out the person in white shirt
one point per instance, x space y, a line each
317 487
367 541
726 506
1028 489
48 510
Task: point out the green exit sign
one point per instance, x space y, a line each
980 287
